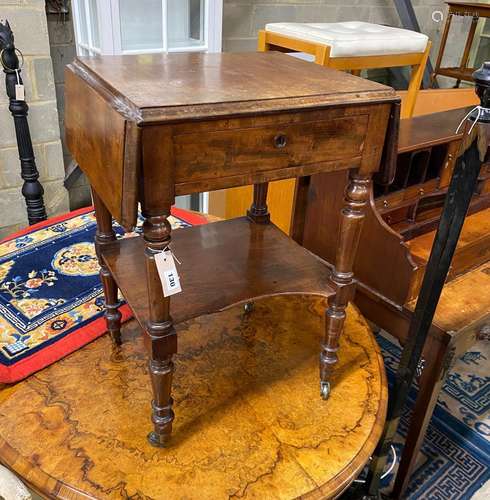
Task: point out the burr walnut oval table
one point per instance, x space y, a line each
250 423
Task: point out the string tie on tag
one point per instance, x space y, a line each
480 110
167 248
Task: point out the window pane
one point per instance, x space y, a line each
486 27
94 24
141 24
185 23
83 35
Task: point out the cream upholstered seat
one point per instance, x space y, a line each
355 38
354 46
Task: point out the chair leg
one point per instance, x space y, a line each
414 85
442 48
467 49
262 45
322 55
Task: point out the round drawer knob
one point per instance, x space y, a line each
280 140
421 192
385 204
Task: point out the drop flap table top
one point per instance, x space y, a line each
160 87
195 122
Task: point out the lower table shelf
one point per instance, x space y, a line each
223 263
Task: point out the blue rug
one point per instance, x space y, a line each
51 300
455 457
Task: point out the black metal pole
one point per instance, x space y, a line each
31 189
456 205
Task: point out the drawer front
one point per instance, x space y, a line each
406 196
276 146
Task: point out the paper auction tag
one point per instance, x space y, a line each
19 92
168 273
19 88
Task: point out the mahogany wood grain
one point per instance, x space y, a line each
95 135
223 264
311 138
476 228
218 85
150 88
430 130
428 219
237 432
416 133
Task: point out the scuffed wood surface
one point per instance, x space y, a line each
251 423
464 302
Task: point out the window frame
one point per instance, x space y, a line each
109 29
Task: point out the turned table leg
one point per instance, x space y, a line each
104 235
342 277
160 330
259 212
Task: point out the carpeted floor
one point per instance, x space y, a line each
455 459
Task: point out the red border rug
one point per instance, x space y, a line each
51 300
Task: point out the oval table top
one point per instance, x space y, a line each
250 421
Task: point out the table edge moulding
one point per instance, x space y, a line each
145 129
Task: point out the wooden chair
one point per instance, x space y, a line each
354 46
475 10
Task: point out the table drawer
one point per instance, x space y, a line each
293 142
405 196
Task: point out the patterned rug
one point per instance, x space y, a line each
455 458
51 300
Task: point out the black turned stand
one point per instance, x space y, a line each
31 189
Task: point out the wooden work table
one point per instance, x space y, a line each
147 128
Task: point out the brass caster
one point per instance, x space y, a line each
324 390
248 307
158 440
